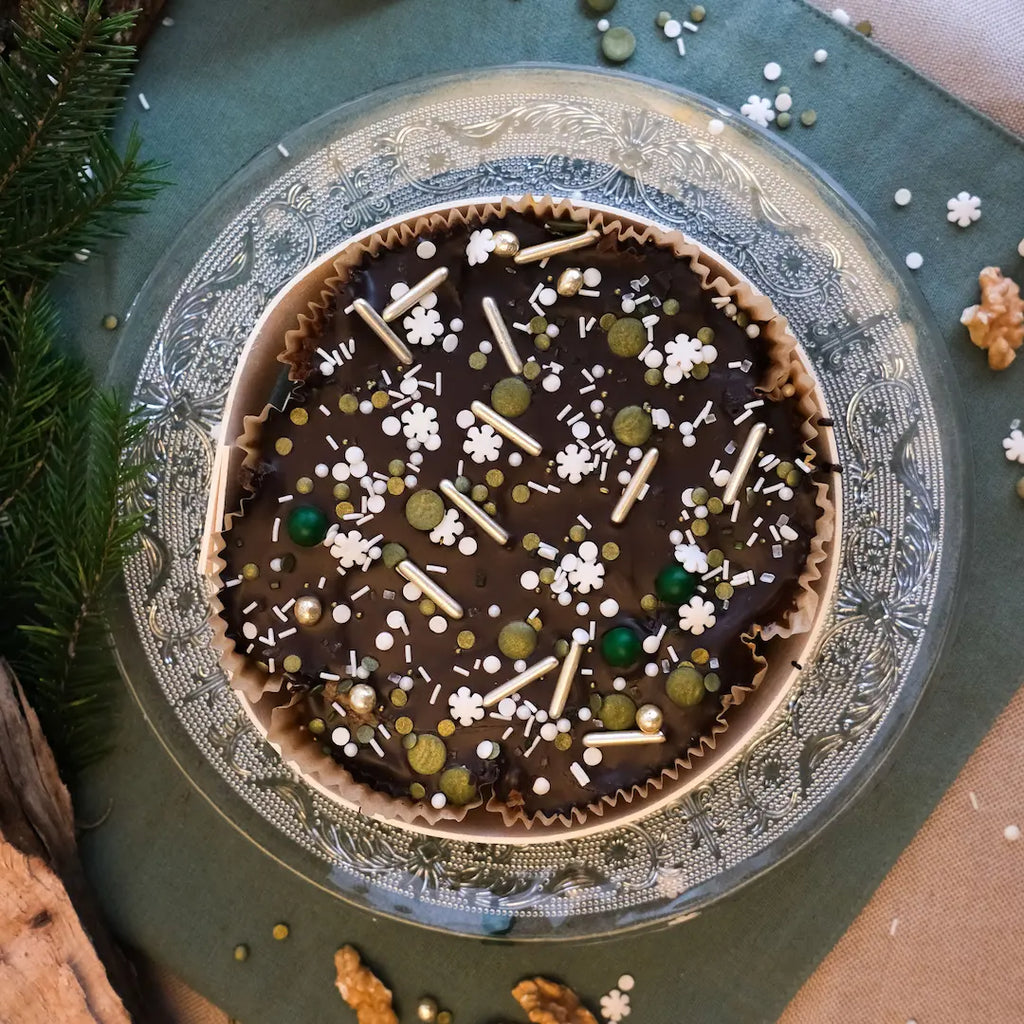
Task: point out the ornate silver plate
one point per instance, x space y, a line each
652 151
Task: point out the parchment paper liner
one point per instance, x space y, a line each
286 729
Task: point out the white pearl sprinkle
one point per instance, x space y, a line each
426 249
495 610
651 669
820 56
519 665
341 736
506 707
405 683
593 756
716 126
618 683
626 983
483 749
591 277
588 551
548 731
411 592
580 635
609 607
564 599
624 477
603 25
450 343
721 478
523 713
395 619
438 800
341 613
351 749
467 546
581 430
584 714
398 289
547 297
597 406
1020 247
597 371
672 29
529 580
582 609
492 664
366 407
515 459
772 71
391 425
541 785
1011 833
915 260
783 102
902 196
437 624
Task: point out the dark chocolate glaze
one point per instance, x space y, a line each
491 576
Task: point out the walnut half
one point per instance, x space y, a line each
362 989
997 323
547 1002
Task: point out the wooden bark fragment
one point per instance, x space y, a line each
57 960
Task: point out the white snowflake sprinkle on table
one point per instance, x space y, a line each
759 110
1014 445
964 209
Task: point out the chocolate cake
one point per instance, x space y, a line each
519 538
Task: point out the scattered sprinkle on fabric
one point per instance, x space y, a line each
902 196
915 260
964 209
759 110
772 71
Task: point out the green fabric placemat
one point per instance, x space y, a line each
228 80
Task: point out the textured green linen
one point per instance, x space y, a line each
228 80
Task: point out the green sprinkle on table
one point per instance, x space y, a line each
618 44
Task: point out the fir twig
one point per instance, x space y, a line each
65 524
63 186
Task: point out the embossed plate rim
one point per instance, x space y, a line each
658 95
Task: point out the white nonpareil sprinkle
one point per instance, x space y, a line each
716 126
783 102
1011 833
672 28
541 785
626 983
915 260
143 102
772 71
841 16
820 56
902 196
603 25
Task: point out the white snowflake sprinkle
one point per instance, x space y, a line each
465 706
615 1006
587 576
1014 445
759 110
350 548
479 246
691 558
423 326
482 444
419 422
697 616
447 531
684 353
574 463
964 209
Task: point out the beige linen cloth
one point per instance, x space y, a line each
942 940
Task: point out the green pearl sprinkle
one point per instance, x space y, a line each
632 425
663 18
510 397
427 757
457 786
617 711
600 6
784 120
627 337
424 510
685 686
670 307
621 647
808 118
618 44
517 640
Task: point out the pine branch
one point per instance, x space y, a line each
64 660
63 187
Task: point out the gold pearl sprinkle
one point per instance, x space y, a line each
466 639
344 508
308 610
398 697
283 445
577 533
520 494
292 663
348 403
299 416
445 727
380 399
547 575
610 551
427 607
700 656
250 571
570 281
494 478
304 485
563 741
648 602
281 932
342 491
531 542
403 725
396 485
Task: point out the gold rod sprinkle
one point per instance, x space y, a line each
565 677
430 283
501 336
415 575
539 252
635 486
508 430
516 683
743 463
372 319
493 529
627 738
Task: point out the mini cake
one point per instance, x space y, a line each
540 493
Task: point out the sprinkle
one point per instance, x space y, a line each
435 694
376 747
276 529
462 671
914 260
902 196
892 927
1011 833
772 71
282 150
143 102
973 799
579 774
820 56
330 440
360 592
569 243
440 569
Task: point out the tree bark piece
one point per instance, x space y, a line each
54 944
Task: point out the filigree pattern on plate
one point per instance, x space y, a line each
619 145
